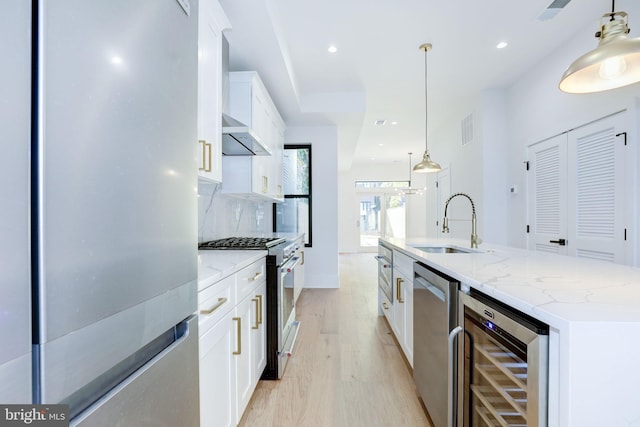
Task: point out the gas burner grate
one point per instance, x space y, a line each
241 243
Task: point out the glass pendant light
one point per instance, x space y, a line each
426 165
613 64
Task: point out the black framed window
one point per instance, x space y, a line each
294 214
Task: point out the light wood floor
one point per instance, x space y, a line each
347 369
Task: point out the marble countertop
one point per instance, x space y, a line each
556 289
214 266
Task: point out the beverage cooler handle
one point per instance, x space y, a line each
450 415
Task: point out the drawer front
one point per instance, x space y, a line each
387 309
385 252
249 278
215 301
403 263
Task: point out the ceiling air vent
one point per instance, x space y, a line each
466 129
552 10
380 122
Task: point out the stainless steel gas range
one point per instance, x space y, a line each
282 326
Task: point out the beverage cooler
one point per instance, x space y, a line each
504 365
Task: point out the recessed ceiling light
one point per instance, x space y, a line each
332 49
502 45
380 145
394 123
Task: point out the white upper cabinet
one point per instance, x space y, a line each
212 21
255 176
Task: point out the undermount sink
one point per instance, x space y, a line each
443 249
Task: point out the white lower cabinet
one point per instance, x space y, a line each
298 273
242 356
232 344
259 331
217 374
387 309
403 303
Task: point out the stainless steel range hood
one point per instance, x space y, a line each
239 139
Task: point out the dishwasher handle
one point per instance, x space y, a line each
439 293
451 416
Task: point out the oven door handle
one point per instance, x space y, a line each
383 260
290 265
452 390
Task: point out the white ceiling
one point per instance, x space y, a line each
378 70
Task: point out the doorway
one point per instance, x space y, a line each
382 214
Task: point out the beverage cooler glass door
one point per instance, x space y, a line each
505 353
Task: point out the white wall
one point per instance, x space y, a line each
478 168
506 121
537 110
416 205
321 260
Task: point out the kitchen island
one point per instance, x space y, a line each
592 309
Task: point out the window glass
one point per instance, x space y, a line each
294 214
382 184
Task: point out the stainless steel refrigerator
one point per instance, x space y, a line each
99 213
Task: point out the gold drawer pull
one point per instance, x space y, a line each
260 298
239 334
221 301
256 277
257 301
399 281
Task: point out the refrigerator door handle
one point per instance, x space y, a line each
451 389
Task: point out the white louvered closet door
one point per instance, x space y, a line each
597 188
547 192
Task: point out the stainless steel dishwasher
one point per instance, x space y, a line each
435 315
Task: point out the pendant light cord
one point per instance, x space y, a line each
426 108
613 9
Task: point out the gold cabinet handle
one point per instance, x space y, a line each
220 303
239 335
385 306
209 162
203 167
265 184
206 159
260 305
257 301
399 281
302 254
256 277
